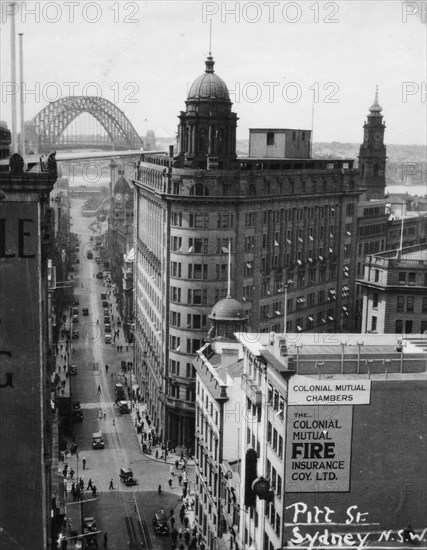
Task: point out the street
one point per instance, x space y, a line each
125 512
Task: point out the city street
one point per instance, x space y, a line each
125 513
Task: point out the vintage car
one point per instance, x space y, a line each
73 369
160 524
126 475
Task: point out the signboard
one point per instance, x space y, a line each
308 391
318 449
21 429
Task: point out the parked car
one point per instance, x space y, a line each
85 311
107 338
106 304
75 319
89 255
73 369
75 310
99 275
77 412
160 524
126 475
75 334
103 295
76 302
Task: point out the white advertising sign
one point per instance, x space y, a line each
309 391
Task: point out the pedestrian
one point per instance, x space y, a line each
186 522
176 463
111 486
159 490
106 368
170 482
182 515
99 390
171 512
84 463
105 539
180 479
172 522
94 490
72 473
81 484
180 533
105 414
171 470
187 536
89 485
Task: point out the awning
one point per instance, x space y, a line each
130 256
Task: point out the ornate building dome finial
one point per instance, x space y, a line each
376 108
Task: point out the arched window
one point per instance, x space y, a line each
199 190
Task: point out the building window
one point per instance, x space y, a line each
408 326
424 306
402 278
374 323
270 138
376 275
398 326
198 246
269 432
411 279
198 271
175 269
225 221
175 294
410 304
200 221
176 219
197 296
400 303
375 300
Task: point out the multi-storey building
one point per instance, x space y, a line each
319 461
290 223
219 408
121 231
26 458
394 290
372 220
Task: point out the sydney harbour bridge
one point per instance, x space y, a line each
82 122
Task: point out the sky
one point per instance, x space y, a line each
286 64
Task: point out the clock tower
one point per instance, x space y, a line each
372 154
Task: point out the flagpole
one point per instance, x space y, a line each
229 269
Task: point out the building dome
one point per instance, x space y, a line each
209 85
228 309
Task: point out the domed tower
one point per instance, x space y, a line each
372 154
228 316
207 129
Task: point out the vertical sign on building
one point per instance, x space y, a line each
21 455
319 433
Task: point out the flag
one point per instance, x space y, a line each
225 249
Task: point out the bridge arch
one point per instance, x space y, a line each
52 121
